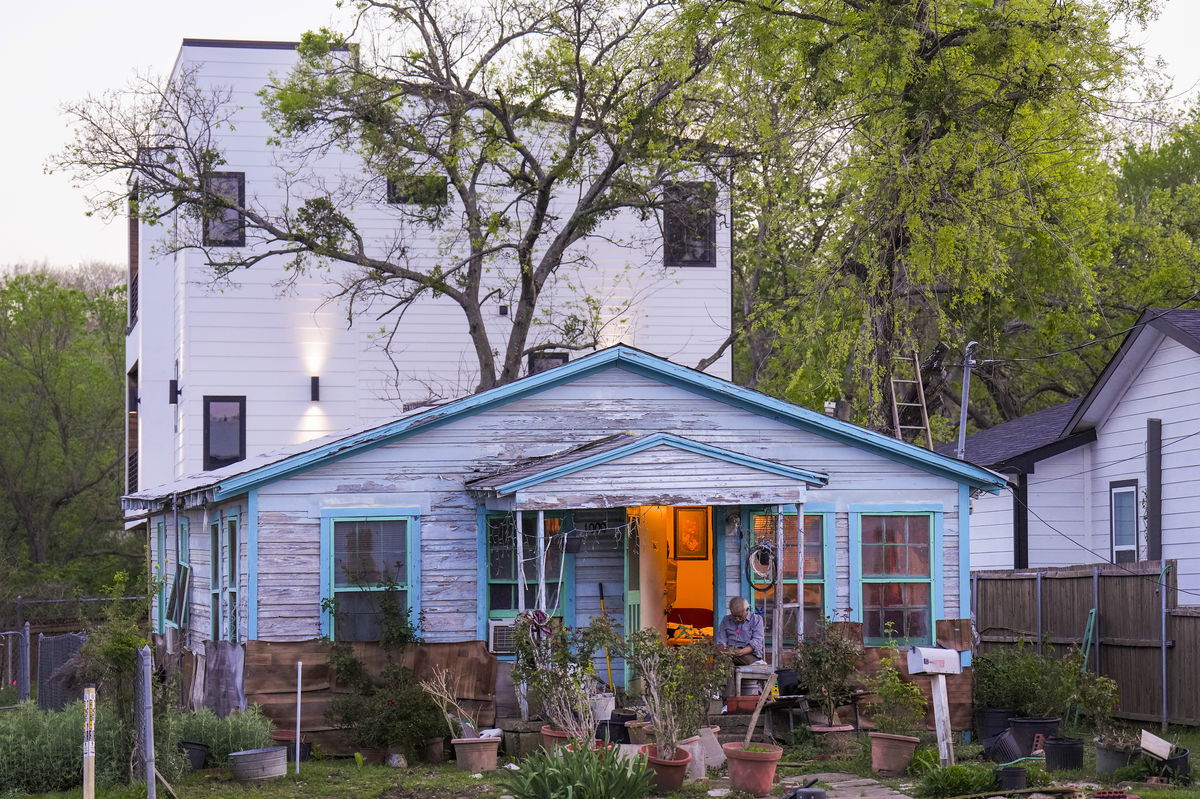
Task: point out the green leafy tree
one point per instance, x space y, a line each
61 438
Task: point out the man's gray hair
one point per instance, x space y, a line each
738 602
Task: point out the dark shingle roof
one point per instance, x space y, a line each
1003 442
1186 319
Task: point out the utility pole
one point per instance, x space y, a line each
968 364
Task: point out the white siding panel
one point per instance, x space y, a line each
992 531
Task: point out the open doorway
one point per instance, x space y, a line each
675 583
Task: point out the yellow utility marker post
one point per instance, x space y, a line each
89 742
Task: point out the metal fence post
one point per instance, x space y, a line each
1038 612
146 669
1096 621
23 677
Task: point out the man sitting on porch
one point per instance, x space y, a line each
740 634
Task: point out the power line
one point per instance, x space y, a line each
1135 456
1102 558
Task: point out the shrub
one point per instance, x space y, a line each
234 733
397 713
826 661
958 780
40 751
580 774
898 706
1034 685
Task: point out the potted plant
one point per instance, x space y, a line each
997 687
471 752
826 661
1095 700
1046 687
555 665
898 710
752 766
661 669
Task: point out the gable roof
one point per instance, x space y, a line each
259 470
612 448
996 446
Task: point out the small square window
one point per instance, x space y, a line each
226 227
418 190
690 224
542 361
224 431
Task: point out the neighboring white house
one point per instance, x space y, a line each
219 371
1107 477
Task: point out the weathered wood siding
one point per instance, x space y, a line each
428 471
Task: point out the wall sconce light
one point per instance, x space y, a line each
314 388
173 392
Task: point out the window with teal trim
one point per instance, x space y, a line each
369 555
763 526
897 577
214 581
502 563
161 573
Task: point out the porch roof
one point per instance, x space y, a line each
651 469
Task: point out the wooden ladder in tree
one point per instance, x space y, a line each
906 387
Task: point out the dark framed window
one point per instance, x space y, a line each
224 431
418 190
369 554
897 577
541 361
226 227
1123 520
690 224
503 563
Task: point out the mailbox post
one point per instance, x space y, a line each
938 663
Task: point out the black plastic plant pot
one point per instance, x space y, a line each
1177 765
1024 730
1109 759
1002 748
991 721
197 754
623 716
1011 778
614 732
1064 754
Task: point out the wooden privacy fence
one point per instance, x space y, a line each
1140 638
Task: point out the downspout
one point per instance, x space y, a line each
1154 489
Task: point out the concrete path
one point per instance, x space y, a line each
847 786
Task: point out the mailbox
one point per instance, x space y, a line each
928 660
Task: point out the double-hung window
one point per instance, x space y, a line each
789 583
503 563
178 602
232 578
368 556
224 431
897 577
1123 505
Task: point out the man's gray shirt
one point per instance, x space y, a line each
737 634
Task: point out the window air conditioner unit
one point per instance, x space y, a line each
501 636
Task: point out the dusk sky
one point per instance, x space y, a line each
56 52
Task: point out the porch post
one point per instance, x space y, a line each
540 539
777 617
800 572
520 544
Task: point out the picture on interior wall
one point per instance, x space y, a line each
691 534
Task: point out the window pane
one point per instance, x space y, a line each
872 529
904 605
689 224
370 552
224 226
814 546
357 617
224 444
1124 509
502 596
764 532
502 552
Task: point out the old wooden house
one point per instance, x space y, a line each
620 472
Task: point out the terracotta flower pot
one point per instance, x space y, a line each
476 754
668 774
552 738
637 732
752 772
741 704
891 754
435 750
838 737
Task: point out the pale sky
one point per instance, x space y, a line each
62 50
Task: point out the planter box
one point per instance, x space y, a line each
251 765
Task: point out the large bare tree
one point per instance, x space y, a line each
510 129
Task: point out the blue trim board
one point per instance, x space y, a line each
412 569
937 568
964 552
669 440
829 560
481 572
251 531
854 611
720 600
638 362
